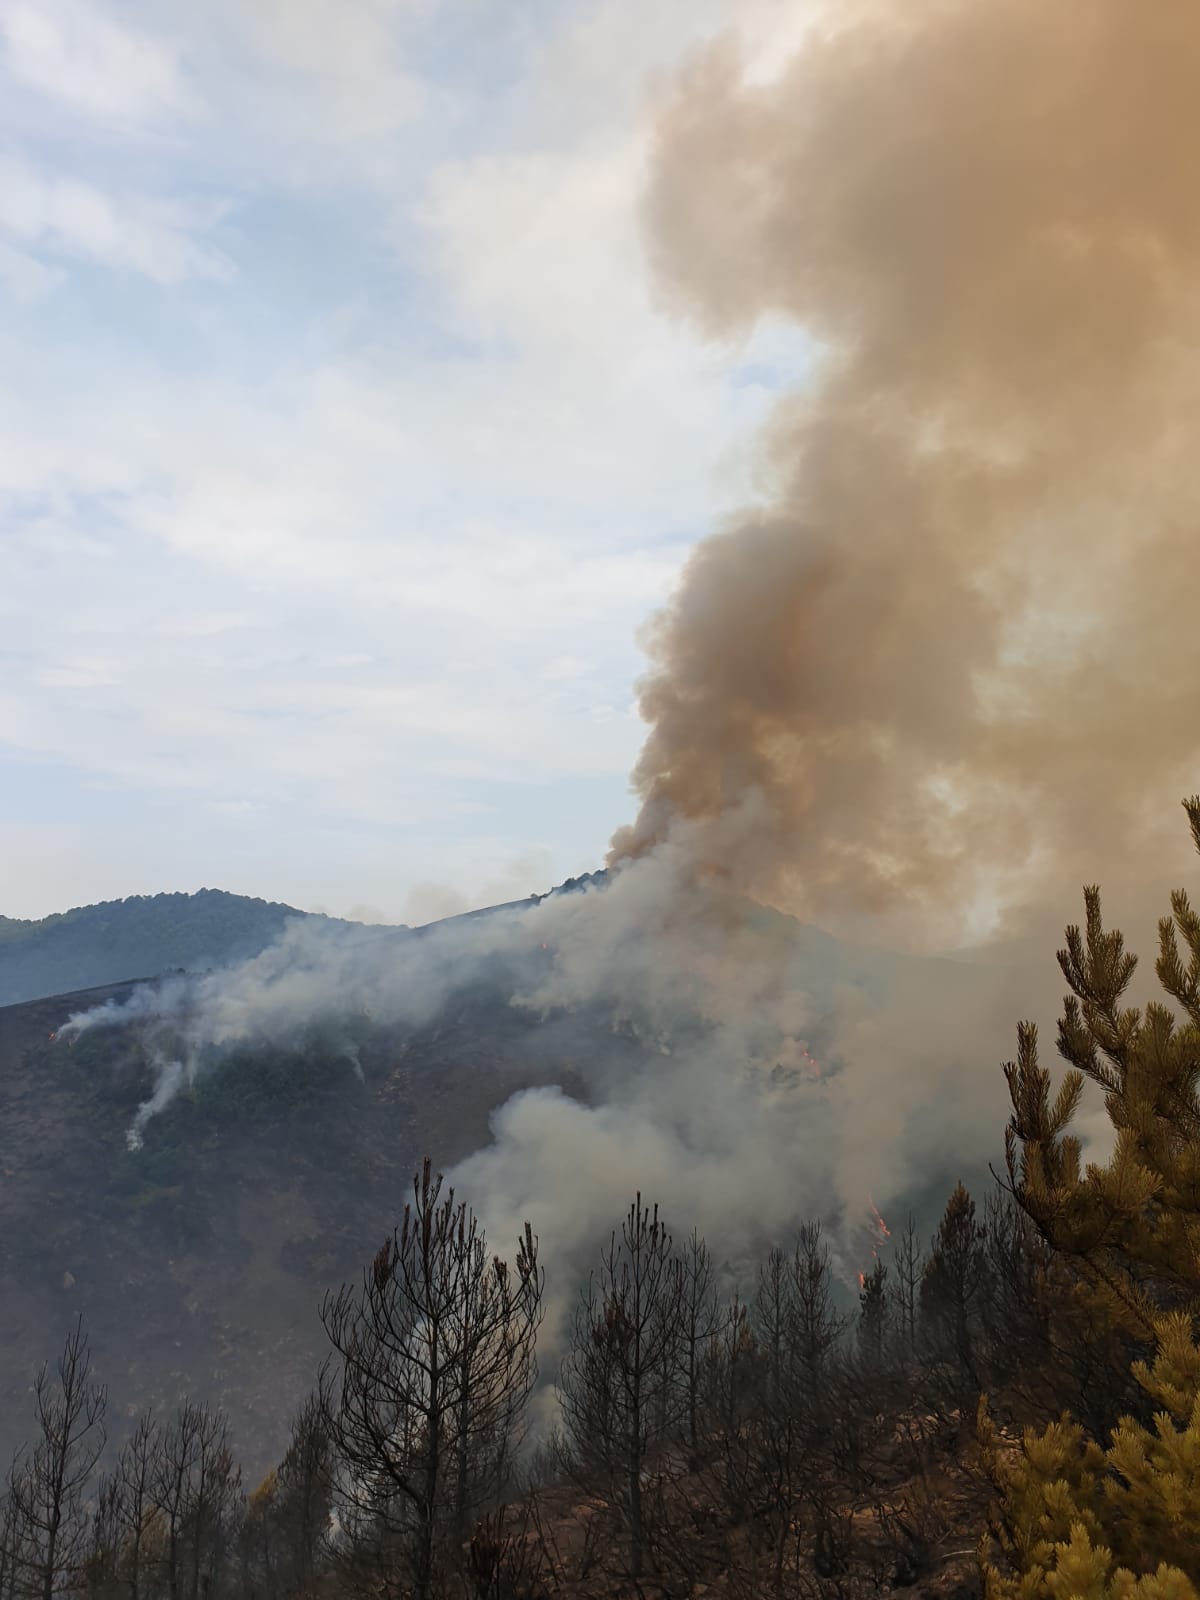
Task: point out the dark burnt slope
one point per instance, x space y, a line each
199 1261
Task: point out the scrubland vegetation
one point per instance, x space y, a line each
1013 1409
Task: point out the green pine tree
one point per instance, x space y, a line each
1118 1518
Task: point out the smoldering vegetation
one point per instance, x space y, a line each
918 692
938 674
706 1035
774 1435
709 1424
710 1427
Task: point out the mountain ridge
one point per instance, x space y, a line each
114 941
199 1258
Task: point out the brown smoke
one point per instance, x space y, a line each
953 659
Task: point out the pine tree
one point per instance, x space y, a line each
435 1362
48 1488
873 1313
1082 1517
952 1300
617 1384
700 1324
908 1263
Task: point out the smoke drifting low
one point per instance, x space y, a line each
316 972
953 652
757 1072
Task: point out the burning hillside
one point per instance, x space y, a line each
884 694
711 1040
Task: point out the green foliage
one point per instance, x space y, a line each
1078 1517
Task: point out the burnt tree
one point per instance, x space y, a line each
193 1490
48 1487
700 1321
434 1360
953 1300
617 1385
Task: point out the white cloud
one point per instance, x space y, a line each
303 94
360 545
76 54
67 216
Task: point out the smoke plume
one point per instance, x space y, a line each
940 675
953 651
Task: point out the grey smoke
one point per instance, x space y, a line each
781 1074
945 672
171 1078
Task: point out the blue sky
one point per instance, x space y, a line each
343 447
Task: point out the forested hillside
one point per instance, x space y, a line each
1012 1408
139 937
198 1257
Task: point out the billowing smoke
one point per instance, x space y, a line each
313 971
757 1072
953 651
945 671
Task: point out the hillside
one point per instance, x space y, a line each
139 937
200 1261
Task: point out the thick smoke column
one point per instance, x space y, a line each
954 654
948 666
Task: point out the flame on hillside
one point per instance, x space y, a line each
880 1236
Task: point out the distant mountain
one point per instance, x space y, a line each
140 937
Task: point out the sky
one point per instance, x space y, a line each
344 445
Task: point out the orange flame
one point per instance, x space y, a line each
882 1236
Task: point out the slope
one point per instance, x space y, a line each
139 937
